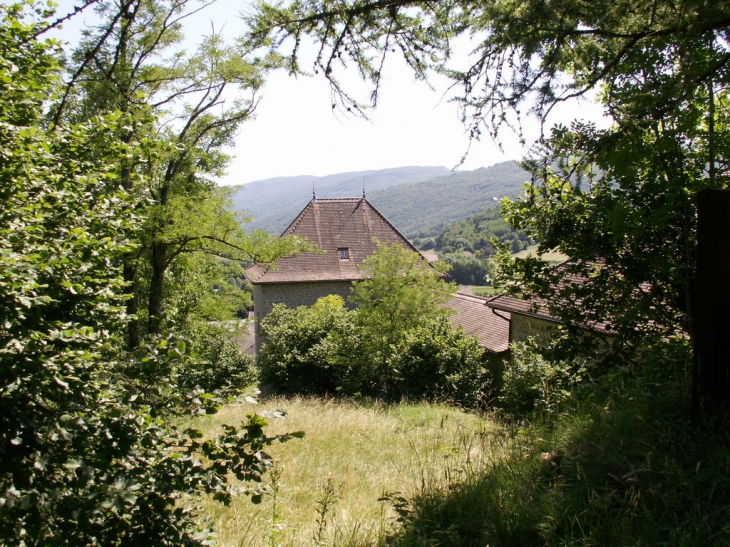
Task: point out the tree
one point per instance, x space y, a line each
327 349
468 270
88 458
301 344
621 202
437 362
182 109
400 292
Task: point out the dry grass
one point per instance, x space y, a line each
351 455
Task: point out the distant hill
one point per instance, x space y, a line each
424 209
419 201
275 202
476 233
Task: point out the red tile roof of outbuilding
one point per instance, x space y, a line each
479 320
541 308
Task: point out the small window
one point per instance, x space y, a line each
344 253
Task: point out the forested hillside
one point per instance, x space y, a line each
466 245
475 233
421 210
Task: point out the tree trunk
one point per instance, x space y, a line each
157 283
711 375
133 325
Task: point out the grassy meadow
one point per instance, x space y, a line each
486 290
626 470
327 485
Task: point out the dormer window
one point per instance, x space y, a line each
344 253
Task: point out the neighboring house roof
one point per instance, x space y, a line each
349 227
533 307
540 308
430 256
479 320
537 307
246 339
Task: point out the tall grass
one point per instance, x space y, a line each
629 471
486 291
326 486
552 256
623 469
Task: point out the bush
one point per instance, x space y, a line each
531 382
223 366
319 350
437 362
298 355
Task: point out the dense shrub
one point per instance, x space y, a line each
223 365
437 362
297 356
531 382
322 350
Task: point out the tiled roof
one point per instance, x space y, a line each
332 224
540 308
535 307
479 320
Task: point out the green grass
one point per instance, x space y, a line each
624 467
351 455
485 290
629 470
548 257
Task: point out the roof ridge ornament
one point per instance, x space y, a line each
314 196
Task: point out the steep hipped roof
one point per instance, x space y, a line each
479 320
332 224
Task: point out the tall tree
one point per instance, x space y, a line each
401 291
184 110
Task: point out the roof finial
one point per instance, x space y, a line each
363 188
313 194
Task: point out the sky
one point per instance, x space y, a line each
296 132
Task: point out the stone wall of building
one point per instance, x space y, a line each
524 326
293 295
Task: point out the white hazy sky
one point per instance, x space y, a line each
296 132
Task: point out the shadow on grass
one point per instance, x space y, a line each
631 473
